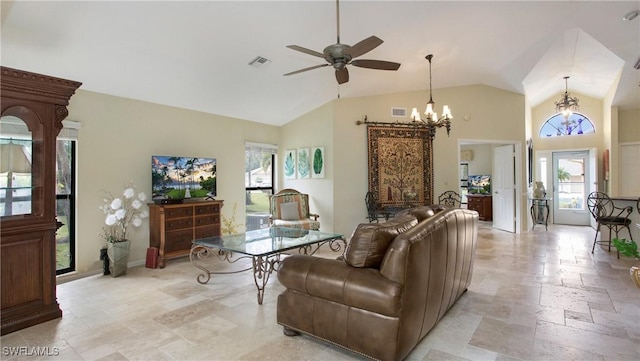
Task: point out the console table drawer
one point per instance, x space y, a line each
170 213
178 240
204 220
208 209
179 223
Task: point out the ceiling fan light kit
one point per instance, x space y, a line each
340 55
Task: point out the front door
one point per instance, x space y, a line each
570 187
503 188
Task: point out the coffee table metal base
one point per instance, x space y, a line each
262 265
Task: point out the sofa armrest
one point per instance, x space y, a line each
336 281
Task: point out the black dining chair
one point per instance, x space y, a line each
607 214
450 198
374 213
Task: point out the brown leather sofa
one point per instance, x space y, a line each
395 282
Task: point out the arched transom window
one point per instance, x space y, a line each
558 125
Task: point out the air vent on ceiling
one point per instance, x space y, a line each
637 66
259 62
399 112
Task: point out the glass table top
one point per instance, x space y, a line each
266 241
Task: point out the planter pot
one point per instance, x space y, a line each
118 253
635 275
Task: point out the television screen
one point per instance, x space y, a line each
182 177
480 184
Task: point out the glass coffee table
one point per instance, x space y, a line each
264 246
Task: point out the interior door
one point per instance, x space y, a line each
571 187
503 185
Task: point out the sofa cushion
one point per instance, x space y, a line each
370 241
289 211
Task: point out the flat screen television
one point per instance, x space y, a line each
182 177
479 184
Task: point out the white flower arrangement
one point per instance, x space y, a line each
122 212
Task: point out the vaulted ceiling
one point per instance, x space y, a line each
196 55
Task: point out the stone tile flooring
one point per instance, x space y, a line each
534 296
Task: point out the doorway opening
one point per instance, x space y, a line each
506 177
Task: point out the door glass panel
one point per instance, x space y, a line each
15 167
571 183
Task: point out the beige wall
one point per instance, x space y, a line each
482 162
116 141
629 125
493 114
314 129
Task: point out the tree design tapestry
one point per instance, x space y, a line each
400 165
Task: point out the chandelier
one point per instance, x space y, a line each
431 118
567 105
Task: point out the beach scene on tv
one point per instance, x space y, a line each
183 177
480 184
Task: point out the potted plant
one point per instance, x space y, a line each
121 213
629 248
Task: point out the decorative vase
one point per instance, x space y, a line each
118 253
539 191
635 275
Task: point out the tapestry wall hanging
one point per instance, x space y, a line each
400 165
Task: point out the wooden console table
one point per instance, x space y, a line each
483 204
172 227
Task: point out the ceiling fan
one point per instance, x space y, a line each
340 55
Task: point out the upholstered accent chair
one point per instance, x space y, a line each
290 208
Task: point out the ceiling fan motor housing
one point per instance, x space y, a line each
337 55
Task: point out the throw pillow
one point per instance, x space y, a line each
370 241
289 211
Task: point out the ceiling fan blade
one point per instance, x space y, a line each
375 64
306 51
342 76
364 46
306 69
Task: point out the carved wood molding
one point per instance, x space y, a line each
40 87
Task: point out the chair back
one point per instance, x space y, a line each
600 205
450 198
371 202
604 210
289 196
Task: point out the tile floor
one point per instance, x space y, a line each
534 296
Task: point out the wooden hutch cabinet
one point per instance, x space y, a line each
481 204
37 103
173 227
